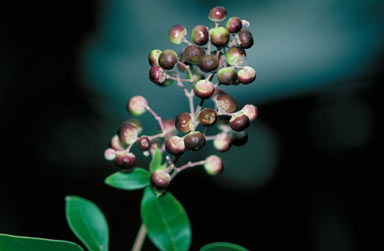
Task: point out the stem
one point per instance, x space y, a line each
190 164
186 41
140 238
181 79
157 117
188 94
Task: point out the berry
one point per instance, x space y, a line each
251 112
222 142
125 160
169 128
175 145
219 36
200 35
234 24
235 56
153 57
144 143
127 132
226 103
239 138
214 165
194 141
160 179
177 33
136 105
207 117
204 89
116 144
246 75
239 122
217 93
110 154
227 76
168 59
192 54
244 39
208 63
217 14
184 122
157 75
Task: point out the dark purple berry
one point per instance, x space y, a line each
239 122
194 141
208 117
217 14
157 75
200 35
160 179
208 63
192 54
125 160
227 76
167 59
184 122
234 24
244 39
226 103
239 138
144 143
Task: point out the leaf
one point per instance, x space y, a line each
129 180
166 221
222 246
156 161
23 243
87 222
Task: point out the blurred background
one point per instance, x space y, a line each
308 178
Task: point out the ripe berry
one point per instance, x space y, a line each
136 105
144 143
217 93
175 145
204 89
234 24
127 132
217 14
192 54
153 57
208 63
160 179
244 39
239 138
227 76
168 59
226 103
222 142
207 117
246 75
194 141
214 165
200 35
125 160
251 112
235 56
239 122
219 36
177 33
184 122
157 75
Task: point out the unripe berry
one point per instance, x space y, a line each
239 138
217 14
239 122
234 24
144 143
226 103
110 154
200 35
208 63
136 105
127 132
177 33
175 145
246 75
207 117
192 54
116 144
184 122
244 39
168 59
227 76
219 36
153 57
125 160
160 179
214 165
204 89
157 75
136 123
235 56
251 112
222 142
194 141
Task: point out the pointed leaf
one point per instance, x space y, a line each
166 221
129 180
23 243
156 161
87 222
222 246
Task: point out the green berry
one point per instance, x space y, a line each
235 56
136 105
214 165
219 36
153 57
227 76
177 33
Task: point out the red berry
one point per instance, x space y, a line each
239 122
144 143
200 35
217 14
184 122
194 141
160 179
125 160
157 75
234 24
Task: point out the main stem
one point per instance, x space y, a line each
140 238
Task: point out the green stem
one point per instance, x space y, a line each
140 238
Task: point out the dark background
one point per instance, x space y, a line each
322 194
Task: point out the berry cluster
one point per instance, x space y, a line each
199 65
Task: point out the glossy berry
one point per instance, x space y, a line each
157 75
234 24
251 112
184 122
144 143
153 57
235 56
214 165
239 138
222 142
208 63
207 117
194 141
125 160
168 59
192 54
160 179
175 145
127 133
239 122
244 39
136 105
219 36
227 76
246 75
200 35
177 33
217 14
204 89
226 103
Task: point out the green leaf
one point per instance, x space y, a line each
129 180
166 221
222 246
24 243
87 222
156 161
